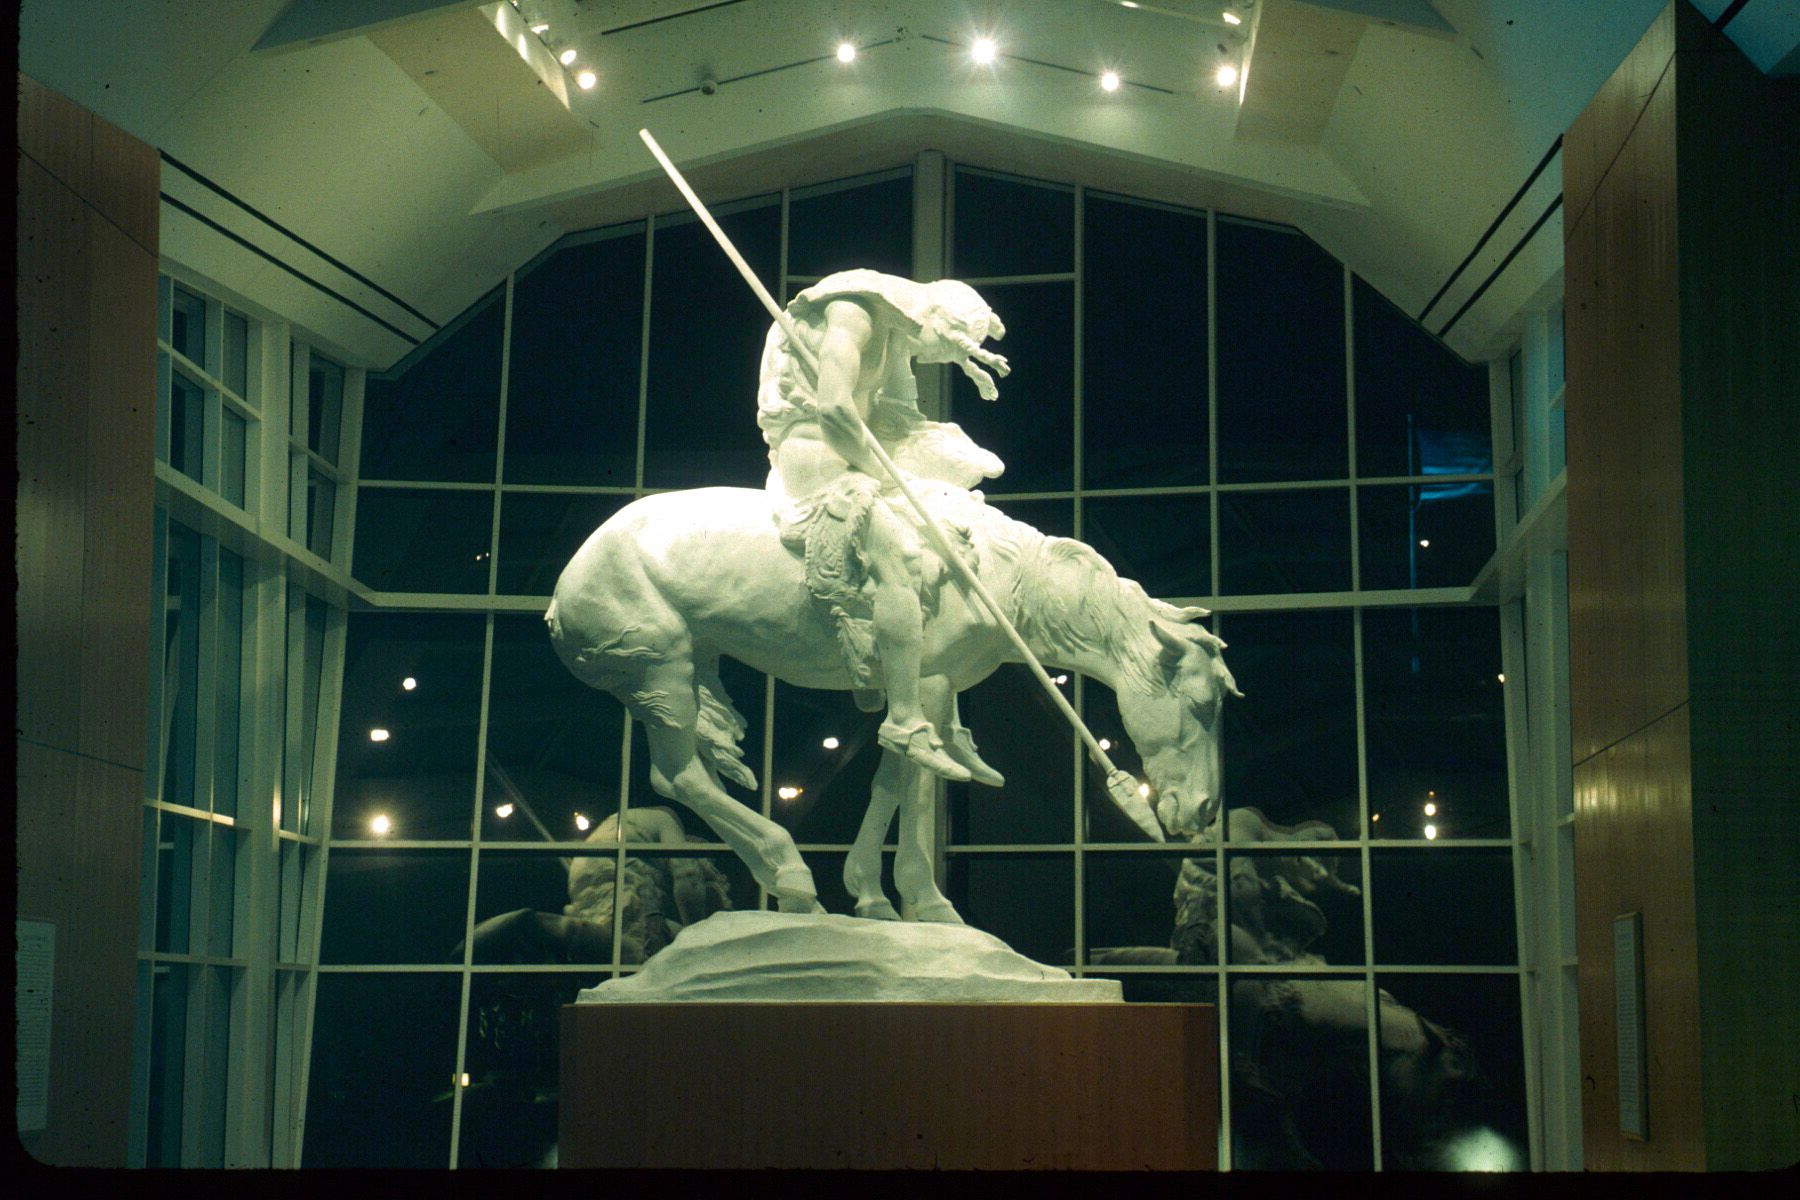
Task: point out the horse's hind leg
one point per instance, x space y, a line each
679 771
915 870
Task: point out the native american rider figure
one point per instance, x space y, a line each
865 558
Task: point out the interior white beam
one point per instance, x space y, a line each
309 22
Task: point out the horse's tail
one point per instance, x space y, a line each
721 728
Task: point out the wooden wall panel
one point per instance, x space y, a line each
1594 140
121 455
86 421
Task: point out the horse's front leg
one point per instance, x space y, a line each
915 860
862 868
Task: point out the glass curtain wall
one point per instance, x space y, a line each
240 638
1216 405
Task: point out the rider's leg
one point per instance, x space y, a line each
894 567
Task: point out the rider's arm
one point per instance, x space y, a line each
849 330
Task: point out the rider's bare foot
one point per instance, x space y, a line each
921 744
961 747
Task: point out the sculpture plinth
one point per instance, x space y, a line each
882 1086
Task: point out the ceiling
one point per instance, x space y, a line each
369 169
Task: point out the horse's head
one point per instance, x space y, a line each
1174 722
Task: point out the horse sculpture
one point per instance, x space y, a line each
653 598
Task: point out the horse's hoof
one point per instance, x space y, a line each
879 910
941 913
799 902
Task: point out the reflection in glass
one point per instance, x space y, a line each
1022 735
188 326
540 532
1025 900
866 224
553 744
297 810
509 1108
395 906
321 507
417 540
1032 425
181 857
1150 988
325 406
572 379
1144 414
1282 411
1300 1074
1424 535
228 673
829 786
168 1061
177 783
383 1070
1163 542
1130 907
1443 905
1420 410
1452 1076
1303 907
236 372
706 342
1435 721
1290 743
436 414
231 466
1279 542
1008 226
422 775
187 415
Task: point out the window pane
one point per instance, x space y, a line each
1420 410
383 1063
1009 226
572 380
237 436
509 1110
1144 415
1436 722
181 859
1025 900
1282 413
554 744
395 906
1130 907
1163 542
237 355
416 540
706 342
1425 535
1032 425
832 782
223 850
835 228
181 669
311 672
1291 908
325 406
188 334
1453 1076
1272 542
1053 517
168 1062
228 683
187 423
422 776
1290 743
1300 1075
1438 904
321 509
436 415
540 532
1019 733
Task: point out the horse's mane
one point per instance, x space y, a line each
1071 597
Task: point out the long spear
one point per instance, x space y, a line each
1120 786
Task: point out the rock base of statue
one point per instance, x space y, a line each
791 957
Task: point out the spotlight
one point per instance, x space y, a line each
788 793
379 735
586 80
504 811
541 27
1106 743
1061 679
381 825
1109 81
582 823
1231 18
1227 76
567 56
1501 677
1424 543
409 683
983 51
830 743
1431 833
846 52
1374 816
1430 809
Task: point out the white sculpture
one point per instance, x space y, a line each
823 579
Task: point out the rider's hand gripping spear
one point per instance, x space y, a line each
1121 787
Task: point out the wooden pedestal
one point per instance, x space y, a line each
1117 1087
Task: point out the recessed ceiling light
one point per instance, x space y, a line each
846 52
1109 81
504 811
567 56
581 822
830 743
1231 18
587 80
983 51
541 27
1431 833
1228 75
409 683
378 735
381 825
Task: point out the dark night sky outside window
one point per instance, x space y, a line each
439 417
